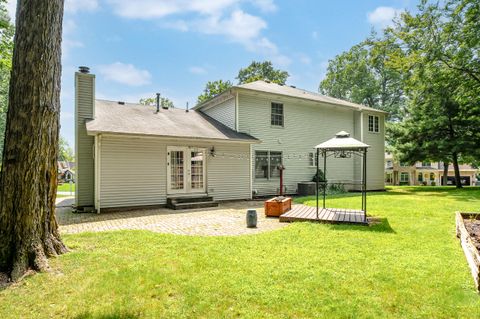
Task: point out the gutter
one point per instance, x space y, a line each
137 135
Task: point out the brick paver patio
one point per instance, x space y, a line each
226 220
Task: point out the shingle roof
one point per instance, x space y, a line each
285 90
137 119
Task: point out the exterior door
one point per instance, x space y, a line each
186 170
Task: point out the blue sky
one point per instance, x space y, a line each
137 48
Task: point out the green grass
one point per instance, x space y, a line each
65 187
410 265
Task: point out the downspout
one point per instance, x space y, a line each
251 171
236 112
361 126
98 143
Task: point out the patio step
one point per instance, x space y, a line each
191 202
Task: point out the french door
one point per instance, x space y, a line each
185 170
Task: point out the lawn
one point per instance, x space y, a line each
65 187
409 265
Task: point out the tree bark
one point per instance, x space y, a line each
458 181
28 184
445 173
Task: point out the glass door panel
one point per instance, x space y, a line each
177 170
197 175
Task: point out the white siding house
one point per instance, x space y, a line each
227 148
306 119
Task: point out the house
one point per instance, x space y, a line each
226 148
425 173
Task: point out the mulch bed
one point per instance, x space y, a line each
473 228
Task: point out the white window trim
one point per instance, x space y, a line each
368 124
283 115
313 164
269 178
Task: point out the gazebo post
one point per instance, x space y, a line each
324 152
364 182
318 176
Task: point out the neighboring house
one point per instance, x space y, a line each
228 147
425 173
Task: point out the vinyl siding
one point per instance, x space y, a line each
375 154
223 112
134 170
306 125
84 111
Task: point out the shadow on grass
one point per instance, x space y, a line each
380 225
469 193
120 315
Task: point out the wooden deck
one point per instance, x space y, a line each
325 215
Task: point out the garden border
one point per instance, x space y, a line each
470 250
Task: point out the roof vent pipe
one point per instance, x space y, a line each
84 69
158 102
186 110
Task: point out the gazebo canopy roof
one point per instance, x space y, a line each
342 141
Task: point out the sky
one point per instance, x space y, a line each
137 48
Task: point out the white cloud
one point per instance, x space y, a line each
197 70
240 26
68 43
148 9
265 5
11 8
305 59
125 74
382 17
73 6
214 17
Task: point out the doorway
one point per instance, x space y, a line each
186 170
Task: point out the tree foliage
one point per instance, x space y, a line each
364 75
65 151
212 89
442 65
6 51
262 71
165 102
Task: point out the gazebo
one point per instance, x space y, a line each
340 147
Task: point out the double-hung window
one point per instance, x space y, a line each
373 124
277 115
404 177
266 164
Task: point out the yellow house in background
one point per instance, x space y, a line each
425 173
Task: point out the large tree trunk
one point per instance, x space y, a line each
28 229
458 181
445 173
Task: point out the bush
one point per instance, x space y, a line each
337 188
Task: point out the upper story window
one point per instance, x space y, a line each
373 124
389 164
426 164
277 114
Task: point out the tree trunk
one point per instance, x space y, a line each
28 184
445 173
458 181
